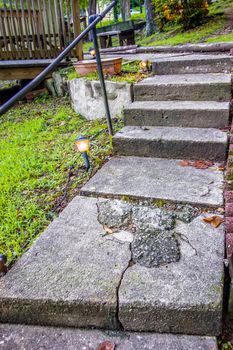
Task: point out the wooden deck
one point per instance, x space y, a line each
23 69
33 32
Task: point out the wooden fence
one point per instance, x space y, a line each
38 29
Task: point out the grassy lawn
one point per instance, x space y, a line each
37 161
209 32
174 36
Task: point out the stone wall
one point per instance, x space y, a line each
86 97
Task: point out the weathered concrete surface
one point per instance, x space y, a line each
155 248
183 297
70 275
86 97
196 114
184 87
153 178
171 142
193 64
41 338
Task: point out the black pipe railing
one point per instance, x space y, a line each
52 66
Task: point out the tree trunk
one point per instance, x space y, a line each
125 9
92 7
150 18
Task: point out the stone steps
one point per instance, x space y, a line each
34 338
171 142
192 64
184 87
196 114
79 274
157 179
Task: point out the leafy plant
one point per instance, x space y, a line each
189 13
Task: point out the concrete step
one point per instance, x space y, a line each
190 64
79 274
171 142
19 337
154 178
184 87
195 114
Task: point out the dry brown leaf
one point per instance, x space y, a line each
214 220
107 345
198 164
184 163
108 230
202 164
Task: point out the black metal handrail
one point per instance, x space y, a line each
52 66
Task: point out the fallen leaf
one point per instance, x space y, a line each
184 163
198 164
107 345
108 230
221 210
202 164
214 220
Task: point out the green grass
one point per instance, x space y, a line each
219 6
221 38
130 74
173 36
36 153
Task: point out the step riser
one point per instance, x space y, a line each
192 67
169 149
179 118
194 92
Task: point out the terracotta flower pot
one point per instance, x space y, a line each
110 66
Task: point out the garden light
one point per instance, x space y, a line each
92 52
83 145
144 65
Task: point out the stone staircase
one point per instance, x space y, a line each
137 255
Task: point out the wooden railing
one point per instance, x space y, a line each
38 29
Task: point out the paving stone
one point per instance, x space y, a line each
155 248
39 338
114 213
171 142
192 64
185 213
184 87
182 297
228 196
148 219
195 114
153 178
70 275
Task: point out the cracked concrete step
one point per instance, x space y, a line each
154 178
196 114
184 87
19 337
171 142
70 275
78 275
192 64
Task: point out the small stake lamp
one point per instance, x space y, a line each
144 65
3 267
92 52
83 145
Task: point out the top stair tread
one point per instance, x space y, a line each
187 79
191 57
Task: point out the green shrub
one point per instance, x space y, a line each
188 13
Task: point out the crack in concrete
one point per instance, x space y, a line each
130 263
185 239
